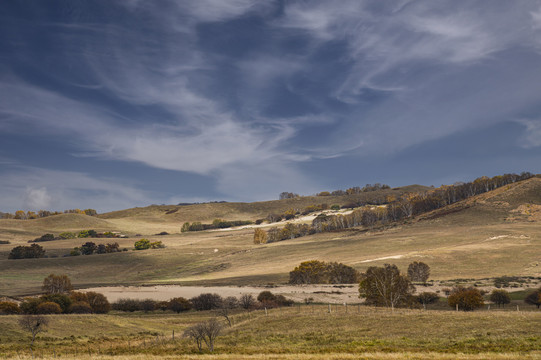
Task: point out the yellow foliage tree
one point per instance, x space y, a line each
260 236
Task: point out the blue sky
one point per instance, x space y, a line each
112 104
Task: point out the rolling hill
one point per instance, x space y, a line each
493 234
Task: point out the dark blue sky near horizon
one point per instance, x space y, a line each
122 103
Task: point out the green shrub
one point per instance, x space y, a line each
157 245
87 233
335 207
196 226
185 227
142 244
67 235
30 305
62 300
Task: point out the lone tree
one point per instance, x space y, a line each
196 333
418 271
206 332
56 284
467 299
500 297
211 330
33 324
260 236
385 286
534 298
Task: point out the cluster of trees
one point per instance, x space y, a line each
386 286
145 244
288 195
205 302
28 215
216 224
59 298
90 248
81 234
71 303
406 206
178 305
33 251
320 272
355 190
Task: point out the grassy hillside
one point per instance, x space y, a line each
493 234
246 211
22 230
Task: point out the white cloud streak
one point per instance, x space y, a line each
532 135
29 188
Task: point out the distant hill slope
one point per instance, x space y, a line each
207 212
14 229
520 201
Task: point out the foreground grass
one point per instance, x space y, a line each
292 333
364 356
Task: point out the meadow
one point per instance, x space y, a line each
306 332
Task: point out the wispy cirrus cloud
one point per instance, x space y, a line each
252 94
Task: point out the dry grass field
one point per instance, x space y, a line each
308 332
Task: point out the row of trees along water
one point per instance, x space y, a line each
396 209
